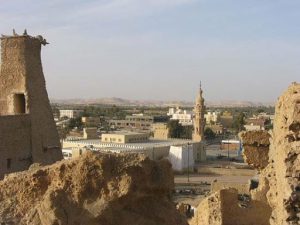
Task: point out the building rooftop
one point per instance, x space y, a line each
122 132
151 143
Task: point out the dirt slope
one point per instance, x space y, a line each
102 189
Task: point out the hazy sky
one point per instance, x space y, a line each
161 49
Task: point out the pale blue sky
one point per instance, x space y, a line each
161 49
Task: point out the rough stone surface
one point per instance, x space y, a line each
241 188
224 208
102 189
283 172
256 148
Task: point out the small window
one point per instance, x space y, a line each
8 164
19 104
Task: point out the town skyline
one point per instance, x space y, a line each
152 102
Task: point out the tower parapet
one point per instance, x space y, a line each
15 35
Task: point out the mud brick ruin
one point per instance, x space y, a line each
27 130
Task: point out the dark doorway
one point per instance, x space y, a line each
19 104
8 163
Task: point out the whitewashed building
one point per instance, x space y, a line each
184 117
70 113
212 117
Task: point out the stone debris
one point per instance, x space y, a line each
276 200
256 148
102 189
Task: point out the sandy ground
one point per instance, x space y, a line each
193 189
194 178
198 186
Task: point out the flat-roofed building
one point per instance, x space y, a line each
255 124
153 148
90 121
253 127
124 138
212 117
137 122
131 125
70 113
146 118
184 117
161 131
90 133
140 117
216 128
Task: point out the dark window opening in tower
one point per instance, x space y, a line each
8 163
19 104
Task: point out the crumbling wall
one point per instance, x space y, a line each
225 208
95 189
209 211
219 185
243 211
283 172
256 148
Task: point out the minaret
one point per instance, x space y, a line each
199 121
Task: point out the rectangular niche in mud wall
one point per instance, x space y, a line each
19 103
8 163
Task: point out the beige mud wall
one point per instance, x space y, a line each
22 73
15 150
283 172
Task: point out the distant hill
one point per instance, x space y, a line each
156 103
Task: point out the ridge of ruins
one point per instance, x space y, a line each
37 187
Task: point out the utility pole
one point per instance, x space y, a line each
188 172
228 148
153 153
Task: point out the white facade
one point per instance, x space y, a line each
181 157
252 127
184 117
70 113
154 149
67 153
212 117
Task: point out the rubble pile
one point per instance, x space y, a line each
102 189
